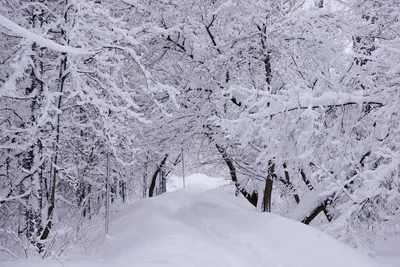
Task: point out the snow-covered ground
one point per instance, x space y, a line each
196 180
389 249
205 227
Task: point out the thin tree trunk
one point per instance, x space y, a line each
252 198
50 211
267 195
123 189
268 187
314 213
154 178
62 78
289 184
163 182
33 163
321 207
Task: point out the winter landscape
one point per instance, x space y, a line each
236 133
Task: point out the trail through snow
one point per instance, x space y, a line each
198 227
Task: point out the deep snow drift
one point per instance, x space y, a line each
196 226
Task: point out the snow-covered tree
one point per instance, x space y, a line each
298 100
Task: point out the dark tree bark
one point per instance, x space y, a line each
268 187
163 182
253 197
321 207
289 184
123 190
267 57
34 216
306 181
154 178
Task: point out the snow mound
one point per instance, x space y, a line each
195 227
389 250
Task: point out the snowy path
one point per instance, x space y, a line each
193 227
196 227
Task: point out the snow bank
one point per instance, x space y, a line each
389 250
213 228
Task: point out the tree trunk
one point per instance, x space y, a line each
253 197
123 191
314 213
267 195
154 178
33 162
268 187
163 182
289 184
321 207
62 77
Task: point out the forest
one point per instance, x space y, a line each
295 102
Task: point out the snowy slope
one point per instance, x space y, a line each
389 249
213 228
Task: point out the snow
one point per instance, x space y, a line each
201 225
195 180
18 30
388 249
326 99
308 203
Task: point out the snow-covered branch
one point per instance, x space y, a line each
40 40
